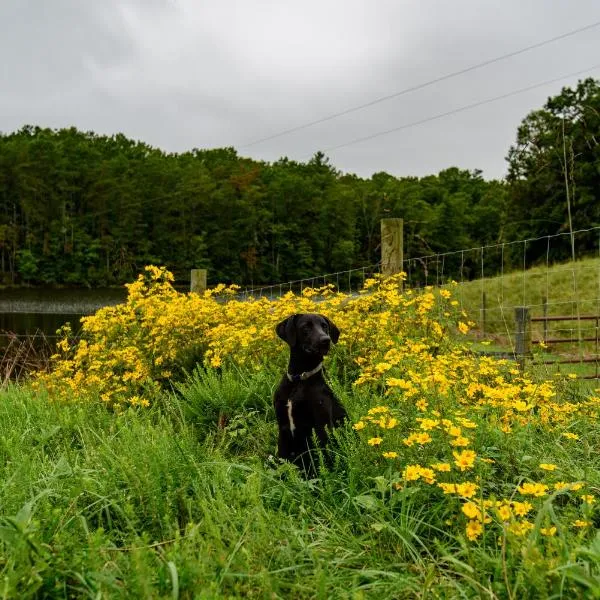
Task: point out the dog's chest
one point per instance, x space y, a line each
300 407
290 416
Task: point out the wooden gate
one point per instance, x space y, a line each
545 340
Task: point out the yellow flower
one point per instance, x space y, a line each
441 467
548 467
588 498
387 422
533 489
411 472
504 512
466 489
449 488
460 442
465 459
520 528
472 511
374 441
358 426
521 508
390 455
581 523
463 327
570 436
548 531
378 409
428 424
474 530
428 475
421 405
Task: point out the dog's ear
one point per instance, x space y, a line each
286 330
334 332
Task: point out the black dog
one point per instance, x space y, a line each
304 403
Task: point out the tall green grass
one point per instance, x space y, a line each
185 500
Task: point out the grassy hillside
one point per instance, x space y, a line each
568 289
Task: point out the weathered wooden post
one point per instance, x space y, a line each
392 243
198 281
522 335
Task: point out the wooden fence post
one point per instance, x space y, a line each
392 236
522 335
198 281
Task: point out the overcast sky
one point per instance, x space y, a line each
180 74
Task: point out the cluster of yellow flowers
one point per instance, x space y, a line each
438 405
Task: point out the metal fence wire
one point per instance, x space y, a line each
349 281
552 276
555 277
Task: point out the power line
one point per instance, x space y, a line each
422 85
460 109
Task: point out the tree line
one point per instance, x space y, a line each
79 208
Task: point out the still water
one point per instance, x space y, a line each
27 311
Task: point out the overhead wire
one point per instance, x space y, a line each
421 86
460 109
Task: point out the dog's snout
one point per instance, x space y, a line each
324 342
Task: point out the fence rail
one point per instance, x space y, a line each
587 356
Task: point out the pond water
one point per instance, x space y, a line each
27 311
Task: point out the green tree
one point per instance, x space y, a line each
554 167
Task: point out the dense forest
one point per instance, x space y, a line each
84 209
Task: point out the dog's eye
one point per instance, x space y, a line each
325 326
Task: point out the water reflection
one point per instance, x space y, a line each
27 311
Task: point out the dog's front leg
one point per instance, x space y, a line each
285 446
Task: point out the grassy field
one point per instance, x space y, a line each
185 501
169 503
567 289
457 477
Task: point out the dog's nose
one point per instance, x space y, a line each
324 342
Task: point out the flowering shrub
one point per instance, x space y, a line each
440 412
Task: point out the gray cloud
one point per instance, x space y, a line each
189 73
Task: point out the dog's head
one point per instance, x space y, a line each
311 333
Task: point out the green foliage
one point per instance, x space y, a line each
86 209
184 501
83 209
557 148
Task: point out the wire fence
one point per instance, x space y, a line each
349 281
553 276
556 277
